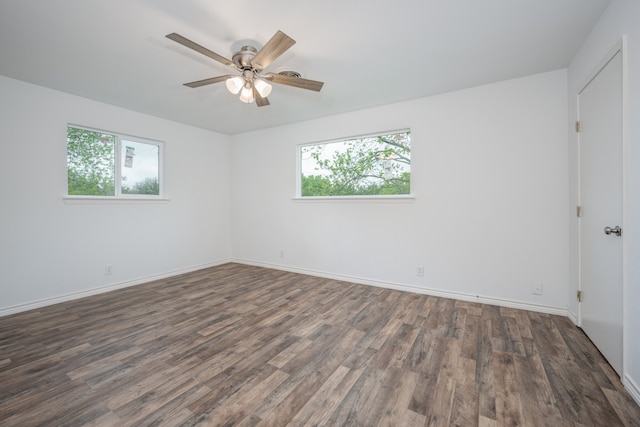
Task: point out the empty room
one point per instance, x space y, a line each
331 213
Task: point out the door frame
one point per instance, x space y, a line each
621 47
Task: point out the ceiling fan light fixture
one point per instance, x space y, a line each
263 88
251 84
234 84
246 94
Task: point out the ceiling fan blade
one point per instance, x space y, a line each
208 81
203 50
276 46
260 101
294 81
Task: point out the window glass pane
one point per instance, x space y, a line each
366 166
90 162
139 168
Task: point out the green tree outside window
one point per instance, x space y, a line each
367 166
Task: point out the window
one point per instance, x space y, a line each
371 165
111 165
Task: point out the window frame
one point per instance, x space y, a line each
118 194
382 197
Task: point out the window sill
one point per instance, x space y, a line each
89 200
407 198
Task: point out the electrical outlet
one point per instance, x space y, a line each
420 271
536 288
108 270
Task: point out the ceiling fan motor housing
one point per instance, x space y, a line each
244 56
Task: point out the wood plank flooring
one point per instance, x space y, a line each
248 346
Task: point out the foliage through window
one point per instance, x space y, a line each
370 165
111 165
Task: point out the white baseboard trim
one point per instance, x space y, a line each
408 288
632 388
573 317
5 311
354 279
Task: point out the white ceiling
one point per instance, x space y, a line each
368 52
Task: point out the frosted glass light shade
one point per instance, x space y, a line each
263 88
234 84
246 95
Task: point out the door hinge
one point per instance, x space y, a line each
578 211
578 125
579 296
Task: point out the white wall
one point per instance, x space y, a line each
489 174
622 18
50 250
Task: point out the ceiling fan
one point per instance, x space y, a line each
252 85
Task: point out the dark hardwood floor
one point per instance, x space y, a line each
248 346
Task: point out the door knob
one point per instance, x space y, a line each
615 230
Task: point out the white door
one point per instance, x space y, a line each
600 145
